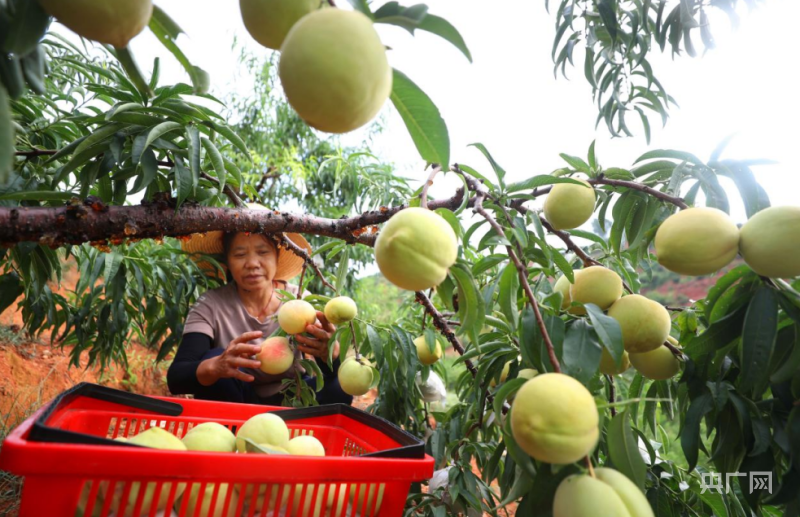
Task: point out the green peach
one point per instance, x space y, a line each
424 353
554 419
659 364
697 241
595 284
355 376
415 249
210 436
645 324
107 21
569 205
269 21
266 428
609 367
334 70
341 309
770 242
294 315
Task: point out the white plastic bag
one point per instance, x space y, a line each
432 389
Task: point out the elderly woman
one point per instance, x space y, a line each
215 358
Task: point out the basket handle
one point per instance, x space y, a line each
41 432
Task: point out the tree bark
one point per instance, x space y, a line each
91 221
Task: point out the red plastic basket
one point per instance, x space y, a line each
73 467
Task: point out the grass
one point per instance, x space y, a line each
11 485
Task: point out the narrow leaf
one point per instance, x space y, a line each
623 447
423 121
758 341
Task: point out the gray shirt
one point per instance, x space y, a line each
221 315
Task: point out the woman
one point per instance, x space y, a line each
215 358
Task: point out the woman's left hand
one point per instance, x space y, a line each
316 343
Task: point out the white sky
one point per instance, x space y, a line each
509 100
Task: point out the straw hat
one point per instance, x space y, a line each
210 243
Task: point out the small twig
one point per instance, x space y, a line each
309 261
674 309
425 314
36 152
440 323
523 276
423 197
269 174
233 196
571 246
677 201
453 322
612 397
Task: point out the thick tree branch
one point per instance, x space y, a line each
76 223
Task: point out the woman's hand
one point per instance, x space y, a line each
227 365
317 344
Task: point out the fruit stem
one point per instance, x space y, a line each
423 197
589 466
675 350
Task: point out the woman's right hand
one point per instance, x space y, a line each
227 364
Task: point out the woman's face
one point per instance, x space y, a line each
252 260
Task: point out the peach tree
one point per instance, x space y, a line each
570 392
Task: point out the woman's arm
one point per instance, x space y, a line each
182 375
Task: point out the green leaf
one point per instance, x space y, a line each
540 181
252 447
608 330
690 435
362 6
623 448
471 306
507 389
184 183
670 154
194 150
216 160
37 195
26 28
156 132
423 121
10 289
606 9
509 290
444 29
758 341
98 136
499 171
406 17
576 163
344 264
6 138
113 261
166 31
126 59
581 356
232 137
